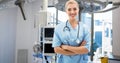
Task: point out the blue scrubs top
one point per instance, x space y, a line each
64 36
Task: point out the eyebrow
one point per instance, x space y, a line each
72 8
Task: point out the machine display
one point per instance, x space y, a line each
48 33
48 50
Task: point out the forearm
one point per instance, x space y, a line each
76 49
81 49
63 51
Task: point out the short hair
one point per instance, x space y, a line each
71 2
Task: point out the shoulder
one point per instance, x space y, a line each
60 26
85 27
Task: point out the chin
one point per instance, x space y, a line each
72 18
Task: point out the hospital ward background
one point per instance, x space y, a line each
27 28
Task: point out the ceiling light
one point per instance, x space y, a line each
89 6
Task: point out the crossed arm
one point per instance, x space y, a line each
72 50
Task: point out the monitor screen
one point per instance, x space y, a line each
48 33
48 49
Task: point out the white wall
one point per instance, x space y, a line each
8 21
26 33
15 33
116 32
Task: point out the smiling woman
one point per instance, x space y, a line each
70 46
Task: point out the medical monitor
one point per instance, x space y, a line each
48 49
48 33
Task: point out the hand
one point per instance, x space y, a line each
83 43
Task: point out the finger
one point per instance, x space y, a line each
83 43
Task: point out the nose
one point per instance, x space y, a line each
72 11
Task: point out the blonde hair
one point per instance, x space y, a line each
71 2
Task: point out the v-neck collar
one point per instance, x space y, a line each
70 26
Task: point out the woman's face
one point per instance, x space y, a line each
72 10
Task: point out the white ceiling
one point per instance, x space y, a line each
50 2
11 3
4 1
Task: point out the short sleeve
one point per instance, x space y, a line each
56 38
87 37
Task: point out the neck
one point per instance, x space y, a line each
73 23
